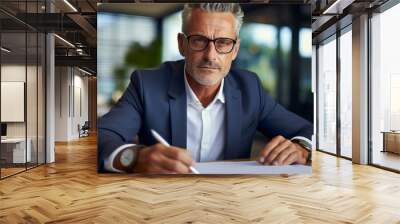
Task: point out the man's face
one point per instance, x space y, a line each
208 67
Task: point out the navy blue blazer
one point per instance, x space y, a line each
156 99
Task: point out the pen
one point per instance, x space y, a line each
165 143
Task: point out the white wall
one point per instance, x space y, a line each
79 115
15 72
71 93
61 103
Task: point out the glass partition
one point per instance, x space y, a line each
385 89
22 88
346 93
327 96
14 152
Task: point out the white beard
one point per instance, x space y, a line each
206 81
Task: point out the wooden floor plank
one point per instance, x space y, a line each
71 191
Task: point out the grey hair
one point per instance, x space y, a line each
234 8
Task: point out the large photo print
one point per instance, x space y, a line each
210 88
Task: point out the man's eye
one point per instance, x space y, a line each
224 42
199 41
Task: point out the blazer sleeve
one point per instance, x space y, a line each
122 123
275 120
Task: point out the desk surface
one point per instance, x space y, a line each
13 140
391 132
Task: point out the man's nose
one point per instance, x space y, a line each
210 53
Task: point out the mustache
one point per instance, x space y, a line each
209 64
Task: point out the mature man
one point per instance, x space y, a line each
204 108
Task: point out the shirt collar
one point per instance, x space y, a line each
192 98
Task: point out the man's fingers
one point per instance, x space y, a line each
173 159
174 166
270 146
156 169
284 154
159 159
152 164
178 154
290 159
161 164
276 151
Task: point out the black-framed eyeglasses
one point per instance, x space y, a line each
223 45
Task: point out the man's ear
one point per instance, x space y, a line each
236 49
181 44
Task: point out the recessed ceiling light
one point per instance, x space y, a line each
64 40
70 5
84 71
337 7
5 50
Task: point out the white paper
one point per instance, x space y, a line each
249 167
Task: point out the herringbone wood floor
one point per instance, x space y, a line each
70 191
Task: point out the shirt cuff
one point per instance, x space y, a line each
108 162
304 140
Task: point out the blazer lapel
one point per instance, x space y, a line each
233 119
177 106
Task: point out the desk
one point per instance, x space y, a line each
391 141
15 148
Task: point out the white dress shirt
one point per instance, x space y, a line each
205 135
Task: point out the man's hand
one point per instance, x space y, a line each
281 151
159 159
